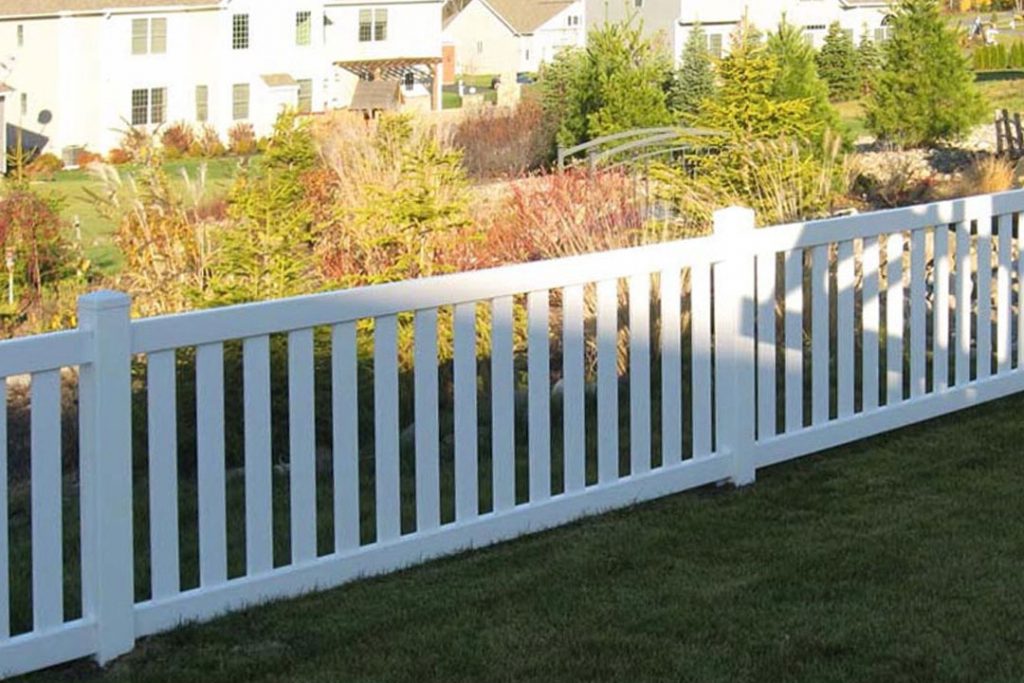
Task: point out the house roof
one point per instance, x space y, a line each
12 8
376 96
279 80
4 88
524 16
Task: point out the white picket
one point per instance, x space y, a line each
388 510
607 381
503 434
539 394
640 373
573 389
162 420
983 321
894 318
5 575
700 333
345 436
1020 291
1004 337
964 270
845 307
259 492
466 456
47 495
766 385
820 346
671 368
302 445
794 329
940 343
427 418
213 540
918 315
871 322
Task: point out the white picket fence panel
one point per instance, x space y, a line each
743 349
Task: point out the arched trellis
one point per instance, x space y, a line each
637 144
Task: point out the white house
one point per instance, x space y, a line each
505 36
672 20
81 71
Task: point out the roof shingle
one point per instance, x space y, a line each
10 8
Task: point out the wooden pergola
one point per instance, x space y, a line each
395 69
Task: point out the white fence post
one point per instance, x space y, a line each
108 589
735 305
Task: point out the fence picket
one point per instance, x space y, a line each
794 330
503 447
259 493
1003 334
700 332
640 373
984 299
871 322
940 338
671 368
894 318
766 386
345 436
1020 291
608 380
573 389
213 541
963 303
918 333
466 456
845 306
820 335
427 419
47 495
162 420
5 573
539 394
302 445
385 407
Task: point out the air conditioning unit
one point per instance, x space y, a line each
69 155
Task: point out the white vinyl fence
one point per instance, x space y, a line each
467 409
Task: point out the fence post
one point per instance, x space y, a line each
734 297
108 569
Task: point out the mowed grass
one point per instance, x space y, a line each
897 558
97 231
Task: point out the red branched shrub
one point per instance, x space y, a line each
119 156
31 232
177 139
242 139
504 142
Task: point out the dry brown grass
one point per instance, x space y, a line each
985 175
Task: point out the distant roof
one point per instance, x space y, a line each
9 8
5 88
524 16
279 80
376 96
865 3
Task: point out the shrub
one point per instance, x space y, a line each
797 78
869 63
136 143
987 174
206 143
242 139
894 180
84 158
502 143
44 166
31 230
925 92
118 156
177 139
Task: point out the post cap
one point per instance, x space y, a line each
733 221
104 300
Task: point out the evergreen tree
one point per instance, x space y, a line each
695 79
869 62
838 64
797 76
926 91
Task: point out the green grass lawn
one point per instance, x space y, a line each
851 116
894 559
97 232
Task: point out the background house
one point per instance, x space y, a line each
505 36
84 70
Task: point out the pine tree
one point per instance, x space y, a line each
797 77
695 79
869 62
926 91
837 64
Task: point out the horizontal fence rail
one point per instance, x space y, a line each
173 469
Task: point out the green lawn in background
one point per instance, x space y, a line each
897 558
97 232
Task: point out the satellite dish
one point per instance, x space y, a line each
45 116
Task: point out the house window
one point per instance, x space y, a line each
240 32
24 104
240 101
303 28
882 34
410 80
848 32
149 36
149 106
574 20
305 102
373 25
21 35
479 47
715 45
202 103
